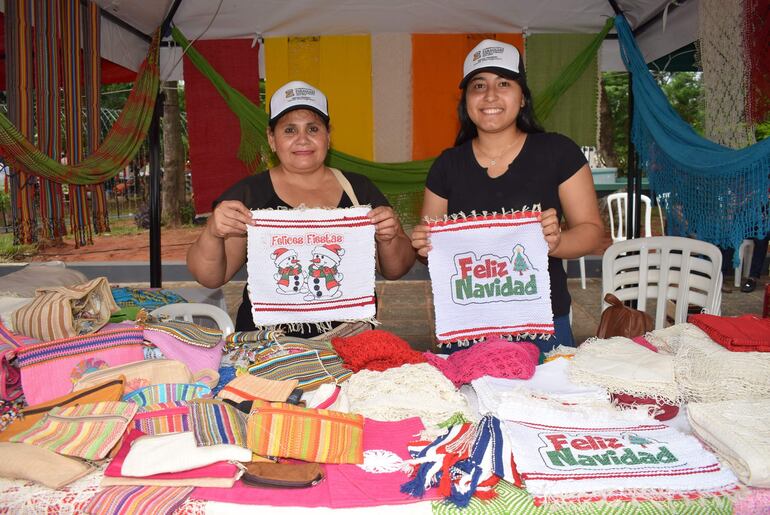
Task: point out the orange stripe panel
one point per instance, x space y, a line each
437 65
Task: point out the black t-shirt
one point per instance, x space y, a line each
257 192
546 160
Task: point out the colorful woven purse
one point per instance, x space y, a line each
215 422
162 418
10 378
87 431
50 369
167 392
29 416
188 332
147 372
315 435
310 367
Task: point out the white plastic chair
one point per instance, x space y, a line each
190 311
662 201
665 268
745 251
616 205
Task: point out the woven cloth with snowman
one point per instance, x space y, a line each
311 266
489 275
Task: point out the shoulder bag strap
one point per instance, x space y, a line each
346 187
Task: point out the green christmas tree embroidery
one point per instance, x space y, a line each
519 261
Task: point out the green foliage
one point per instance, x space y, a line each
616 87
763 130
684 91
187 212
11 252
114 96
5 200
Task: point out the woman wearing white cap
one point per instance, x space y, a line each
298 133
503 159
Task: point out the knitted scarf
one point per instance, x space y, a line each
467 460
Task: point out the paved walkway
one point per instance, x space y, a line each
405 307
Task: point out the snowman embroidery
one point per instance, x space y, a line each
289 278
323 278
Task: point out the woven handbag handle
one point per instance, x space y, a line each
207 376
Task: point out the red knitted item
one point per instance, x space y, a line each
662 411
375 350
745 333
495 357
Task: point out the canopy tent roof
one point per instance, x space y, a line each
222 19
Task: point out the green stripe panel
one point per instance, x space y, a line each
511 500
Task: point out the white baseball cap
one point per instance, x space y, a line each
298 95
493 56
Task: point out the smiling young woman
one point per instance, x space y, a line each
502 159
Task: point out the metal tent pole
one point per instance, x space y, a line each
156 261
634 180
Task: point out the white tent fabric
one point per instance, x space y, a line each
221 19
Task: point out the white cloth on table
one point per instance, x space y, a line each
550 378
563 452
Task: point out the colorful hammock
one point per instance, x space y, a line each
715 193
118 148
391 178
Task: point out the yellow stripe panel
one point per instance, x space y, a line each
276 65
341 66
346 78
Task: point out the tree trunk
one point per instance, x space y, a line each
173 185
606 132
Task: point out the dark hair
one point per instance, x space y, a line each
272 123
525 121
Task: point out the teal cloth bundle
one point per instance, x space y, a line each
715 194
126 297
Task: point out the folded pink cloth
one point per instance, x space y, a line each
494 357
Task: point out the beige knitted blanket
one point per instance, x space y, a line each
739 431
623 366
407 391
707 372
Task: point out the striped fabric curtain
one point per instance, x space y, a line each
72 78
18 52
47 115
92 71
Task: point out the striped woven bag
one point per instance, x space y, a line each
315 435
87 431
